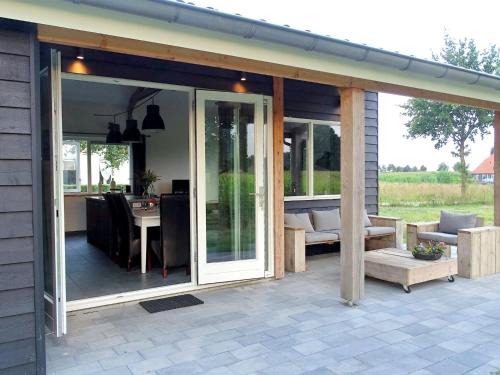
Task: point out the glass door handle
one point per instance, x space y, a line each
261 196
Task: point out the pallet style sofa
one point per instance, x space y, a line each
323 227
478 246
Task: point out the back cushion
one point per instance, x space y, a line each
299 221
451 222
326 220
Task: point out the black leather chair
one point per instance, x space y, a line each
130 240
173 248
114 216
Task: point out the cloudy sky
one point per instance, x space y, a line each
414 28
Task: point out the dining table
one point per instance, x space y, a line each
144 219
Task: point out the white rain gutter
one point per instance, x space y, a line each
210 19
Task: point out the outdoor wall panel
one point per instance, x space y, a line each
16 198
17 327
16 224
14 94
15 120
16 276
19 332
15 172
16 302
15 146
16 250
14 67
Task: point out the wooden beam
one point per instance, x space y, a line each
278 182
496 169
70 37
352 171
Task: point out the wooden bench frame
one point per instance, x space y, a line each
478 249
295 241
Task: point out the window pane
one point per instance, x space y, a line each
71 158
110 162
295 155
326 159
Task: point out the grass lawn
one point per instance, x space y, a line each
416 214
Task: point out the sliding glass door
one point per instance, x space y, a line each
231 193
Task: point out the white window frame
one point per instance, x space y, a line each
78 187
310 159
92 139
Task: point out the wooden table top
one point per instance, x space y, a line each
402 258
152 212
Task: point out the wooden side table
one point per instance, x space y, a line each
478 252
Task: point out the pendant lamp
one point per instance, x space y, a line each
153 122
131 134
114 136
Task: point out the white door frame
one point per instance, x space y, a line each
241 269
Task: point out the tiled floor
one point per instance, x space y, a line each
91 273
295 326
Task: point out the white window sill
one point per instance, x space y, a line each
311 198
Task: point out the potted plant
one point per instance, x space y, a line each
148 178
431 250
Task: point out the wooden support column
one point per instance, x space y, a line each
352 166
278 184
496 169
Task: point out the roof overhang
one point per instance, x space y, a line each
102 28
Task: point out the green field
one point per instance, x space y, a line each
420 196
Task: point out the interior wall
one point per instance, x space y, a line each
167 152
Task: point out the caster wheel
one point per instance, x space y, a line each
451 279
406 289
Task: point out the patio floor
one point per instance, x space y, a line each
294 326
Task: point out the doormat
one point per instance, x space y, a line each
170 303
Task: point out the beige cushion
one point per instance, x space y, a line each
320 237
368 223
450 239
300 220
380 231
326 220
451 222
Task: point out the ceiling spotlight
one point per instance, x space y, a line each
243 76
80 55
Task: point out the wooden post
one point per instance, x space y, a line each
352 166
496 170
278 183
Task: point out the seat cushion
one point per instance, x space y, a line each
451 222
320 237
368 223
326 220
300 220
380 231
450 239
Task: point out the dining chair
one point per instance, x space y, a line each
114 218
130 240
173 247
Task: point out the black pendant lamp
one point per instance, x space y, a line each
114 136
153 122
131 134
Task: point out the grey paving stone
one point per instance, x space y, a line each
435 354
249 351
149 365
247 366
392 337
311 347
471 358
219 360
447 367
120 360
287 368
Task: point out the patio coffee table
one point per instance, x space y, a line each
400 267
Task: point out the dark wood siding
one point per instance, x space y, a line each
322 102
19 333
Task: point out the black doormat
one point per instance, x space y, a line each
170 303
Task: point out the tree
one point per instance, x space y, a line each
112 156
442 167
423 168
391 168
450 123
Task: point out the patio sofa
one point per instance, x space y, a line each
478 246
324 227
